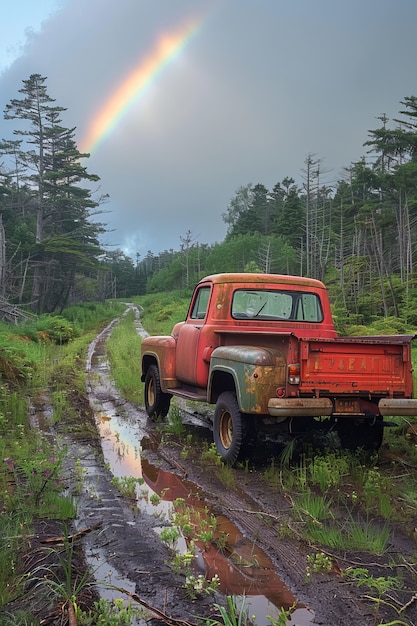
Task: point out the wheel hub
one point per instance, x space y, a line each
226 429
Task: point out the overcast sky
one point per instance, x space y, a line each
180 102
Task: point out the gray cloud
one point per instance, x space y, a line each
259 85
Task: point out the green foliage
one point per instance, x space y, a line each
18 356
105 613
126 486
328 471
380 585
174 424
330 486
170 536
161 311
55 328
63 581
210 456
198 585
283 617
235 613
316 507
86 316
318 562
31 481
123 350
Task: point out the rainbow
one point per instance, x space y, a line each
167 48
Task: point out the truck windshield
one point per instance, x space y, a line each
265 304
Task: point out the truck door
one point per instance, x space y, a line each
190 367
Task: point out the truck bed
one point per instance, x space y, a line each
377 365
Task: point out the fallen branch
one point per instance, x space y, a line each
171 621
409 603
73 537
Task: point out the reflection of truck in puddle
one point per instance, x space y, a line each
243 568
263 349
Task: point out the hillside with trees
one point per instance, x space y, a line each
357 234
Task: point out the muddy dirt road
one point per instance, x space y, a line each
260 555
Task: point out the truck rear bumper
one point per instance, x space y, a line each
299 407
398 406
315 407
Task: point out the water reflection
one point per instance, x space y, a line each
242 567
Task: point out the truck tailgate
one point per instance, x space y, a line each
377 365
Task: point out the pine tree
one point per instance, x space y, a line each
65 237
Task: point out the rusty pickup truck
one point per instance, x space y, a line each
263 349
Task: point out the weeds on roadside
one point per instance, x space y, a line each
126 485
173 424
37 485
318 562
47 353
198 585
181 561
224 473
327 484
106 613
328 471
376 490
283 617
11 541
123 347
355 535
235 613
170 535
63 582
210 456
200 525
314 506
380 585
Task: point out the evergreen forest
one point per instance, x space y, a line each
358 235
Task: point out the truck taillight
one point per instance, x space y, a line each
294 374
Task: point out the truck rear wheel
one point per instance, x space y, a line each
228 428
156 402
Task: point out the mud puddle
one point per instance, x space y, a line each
243 569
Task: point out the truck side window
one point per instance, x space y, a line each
201 304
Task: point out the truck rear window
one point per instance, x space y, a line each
262 304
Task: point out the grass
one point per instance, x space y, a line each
331 488
63 581
127 485
173 424
314 506
161 311
235 613
49 354
123 350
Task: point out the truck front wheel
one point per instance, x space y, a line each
156 402
228 428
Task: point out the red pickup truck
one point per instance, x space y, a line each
263 349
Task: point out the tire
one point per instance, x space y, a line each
228 428
156 402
